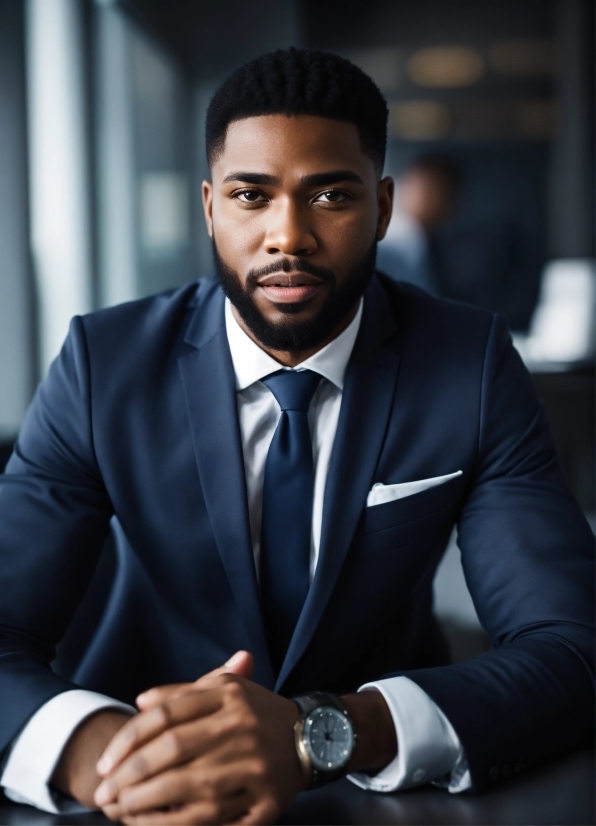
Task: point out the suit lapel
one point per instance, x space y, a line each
367 399
209 388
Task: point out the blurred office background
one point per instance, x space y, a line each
102 106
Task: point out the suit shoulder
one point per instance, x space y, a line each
164 303
415 309
160 311
151 327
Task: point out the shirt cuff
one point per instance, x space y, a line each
35 752
428 747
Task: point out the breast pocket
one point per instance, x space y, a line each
408 514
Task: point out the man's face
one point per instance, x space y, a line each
295 210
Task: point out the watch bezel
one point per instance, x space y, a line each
316 761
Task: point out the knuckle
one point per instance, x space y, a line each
195 783
126 802
250 721
162 714
234 722
232 690
212 812
259 769
179 786
248 744
113 811
201 788
129 733
138 765
226 678
209 785
262 769
219 786
172 743
266 811
272 809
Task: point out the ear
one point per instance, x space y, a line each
207 190
385 190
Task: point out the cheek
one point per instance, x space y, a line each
350 234
236 234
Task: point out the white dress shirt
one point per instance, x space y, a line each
428 747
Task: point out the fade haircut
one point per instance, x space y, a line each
300 82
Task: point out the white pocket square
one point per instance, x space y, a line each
380 494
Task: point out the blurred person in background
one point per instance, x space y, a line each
425 198
491 264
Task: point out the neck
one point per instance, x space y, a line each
293 359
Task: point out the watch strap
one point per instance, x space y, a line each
308 702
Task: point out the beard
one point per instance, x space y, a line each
293 335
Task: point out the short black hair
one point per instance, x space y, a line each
300 82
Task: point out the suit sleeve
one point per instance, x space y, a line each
528 558
54 516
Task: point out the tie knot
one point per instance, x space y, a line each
293 389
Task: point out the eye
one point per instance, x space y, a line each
249 196
333 196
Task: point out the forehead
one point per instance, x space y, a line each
274 143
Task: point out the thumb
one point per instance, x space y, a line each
241 663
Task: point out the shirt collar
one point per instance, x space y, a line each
252 364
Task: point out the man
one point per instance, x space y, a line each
493 263
425 200
282 469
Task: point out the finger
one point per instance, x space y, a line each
159 694
263 811
155 696
172 748
228 811
185 786
241 663
149 724
113 811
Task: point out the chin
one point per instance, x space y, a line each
302 311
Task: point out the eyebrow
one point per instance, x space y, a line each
327 178
319 179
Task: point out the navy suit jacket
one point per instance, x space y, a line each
135 430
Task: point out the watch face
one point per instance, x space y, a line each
329 738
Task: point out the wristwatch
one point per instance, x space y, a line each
324 735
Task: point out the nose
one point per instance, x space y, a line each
288 231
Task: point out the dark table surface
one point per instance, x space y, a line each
560 793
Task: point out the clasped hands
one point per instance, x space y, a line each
219 750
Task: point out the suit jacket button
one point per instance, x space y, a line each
506 771
493 774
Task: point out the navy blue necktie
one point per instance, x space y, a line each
287 510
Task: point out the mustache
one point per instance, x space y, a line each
287 265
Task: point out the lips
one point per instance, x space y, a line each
293 287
